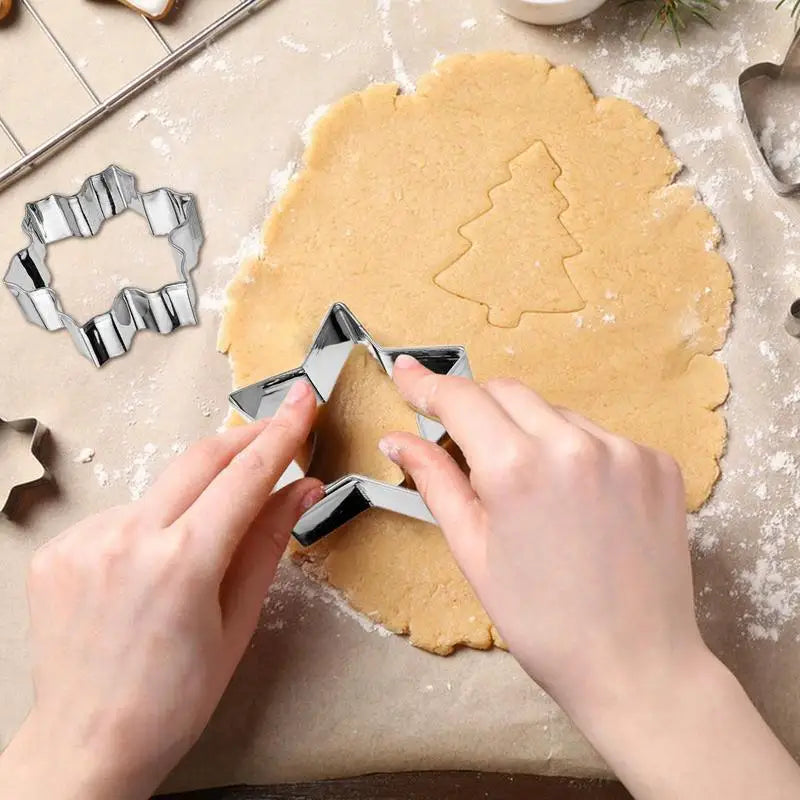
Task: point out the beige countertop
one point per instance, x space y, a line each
323 692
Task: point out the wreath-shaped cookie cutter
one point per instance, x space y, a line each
348 496
103 196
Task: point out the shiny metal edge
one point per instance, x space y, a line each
37 431
350 495
773 71
102 197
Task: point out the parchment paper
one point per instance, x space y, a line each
322 693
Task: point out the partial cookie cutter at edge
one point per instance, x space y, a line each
103 196
33 428
348 496
774 71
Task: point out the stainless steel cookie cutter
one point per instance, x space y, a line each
103 196
348 496
789 69
792 323
33 428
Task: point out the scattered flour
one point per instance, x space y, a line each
782 151
293 44
139 116
101 474
138 473
384 7
213 299
292 586
469 24
218 60
84 456
279 180
310 121
161 146
723 96
212 59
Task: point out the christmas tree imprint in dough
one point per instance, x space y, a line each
515 261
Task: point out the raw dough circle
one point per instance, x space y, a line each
504 208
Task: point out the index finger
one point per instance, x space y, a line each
471 416
225 510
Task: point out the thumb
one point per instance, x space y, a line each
252 568
448 494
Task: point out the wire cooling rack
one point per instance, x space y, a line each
28 159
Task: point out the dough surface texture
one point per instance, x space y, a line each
503 207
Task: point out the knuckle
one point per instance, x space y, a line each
512 460
426 396
115 546
628 454
41 565
578 448
179 540
510 467
251 461
171 556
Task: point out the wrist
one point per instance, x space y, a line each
655 702
651 692
687 730
39 763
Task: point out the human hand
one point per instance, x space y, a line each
139 615
573 538
575 541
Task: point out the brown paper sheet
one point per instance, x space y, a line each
322 693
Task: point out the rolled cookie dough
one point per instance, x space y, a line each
394 192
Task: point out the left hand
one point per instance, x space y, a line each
140 614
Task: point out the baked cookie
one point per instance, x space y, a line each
5 7
154 9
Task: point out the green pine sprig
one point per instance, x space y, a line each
795 12
675 15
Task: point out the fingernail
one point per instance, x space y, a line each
405 361
389 449
298 391
312 497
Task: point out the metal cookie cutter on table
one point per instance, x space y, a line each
788 70
348 496
103 196
36 431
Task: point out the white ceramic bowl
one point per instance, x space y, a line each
549 12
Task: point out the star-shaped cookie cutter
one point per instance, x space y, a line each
103 196
36 431
788 70
348 496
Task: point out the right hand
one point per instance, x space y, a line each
575 541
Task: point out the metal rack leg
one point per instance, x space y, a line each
157 33
13 139
61 51
102 108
